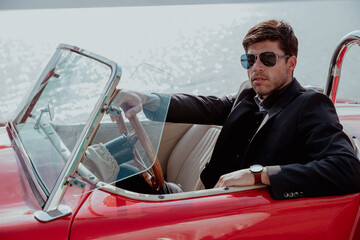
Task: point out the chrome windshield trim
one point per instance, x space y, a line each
343 46
88 131
35 181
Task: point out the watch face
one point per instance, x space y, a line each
256 168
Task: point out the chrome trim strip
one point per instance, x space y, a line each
89 129
174 196
336 62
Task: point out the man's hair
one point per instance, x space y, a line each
273 30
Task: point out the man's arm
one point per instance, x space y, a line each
184 108
241 178
332 167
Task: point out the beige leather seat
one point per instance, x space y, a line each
190 155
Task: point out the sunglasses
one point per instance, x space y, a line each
269 59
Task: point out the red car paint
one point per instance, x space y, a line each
243 215
18 203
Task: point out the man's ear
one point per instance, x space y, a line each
292 63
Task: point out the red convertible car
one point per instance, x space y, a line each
56 184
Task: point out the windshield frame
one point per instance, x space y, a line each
52 199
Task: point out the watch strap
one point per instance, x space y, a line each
257 177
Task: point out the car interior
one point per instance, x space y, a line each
183 152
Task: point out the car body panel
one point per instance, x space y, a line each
18 203
247 214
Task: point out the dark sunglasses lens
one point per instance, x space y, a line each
247 60
268 58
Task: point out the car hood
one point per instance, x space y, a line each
17 197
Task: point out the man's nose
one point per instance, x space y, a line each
258 65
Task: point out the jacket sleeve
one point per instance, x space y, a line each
332 167
185 108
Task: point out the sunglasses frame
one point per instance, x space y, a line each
244 59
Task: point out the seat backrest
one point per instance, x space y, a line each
352 140
190 155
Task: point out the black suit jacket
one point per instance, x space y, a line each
302 143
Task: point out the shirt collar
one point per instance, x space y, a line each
267 103
260 103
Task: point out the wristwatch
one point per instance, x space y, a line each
256 171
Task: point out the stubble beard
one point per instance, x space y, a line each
269 87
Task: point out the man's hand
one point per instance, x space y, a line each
136 101
133 99
241 178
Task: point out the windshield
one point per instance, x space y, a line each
64 98
120 149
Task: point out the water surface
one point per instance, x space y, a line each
199 45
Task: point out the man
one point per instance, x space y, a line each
274 131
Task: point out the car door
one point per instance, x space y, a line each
215 214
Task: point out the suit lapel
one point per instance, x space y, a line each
243 105
288 96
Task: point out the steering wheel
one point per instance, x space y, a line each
153 176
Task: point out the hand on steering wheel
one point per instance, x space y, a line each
154 176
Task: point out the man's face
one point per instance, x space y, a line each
267 80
